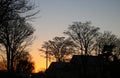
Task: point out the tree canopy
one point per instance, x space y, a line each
84 35
59 48
15 32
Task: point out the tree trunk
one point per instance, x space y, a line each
12 62
8 59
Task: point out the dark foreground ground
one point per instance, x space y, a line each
4 74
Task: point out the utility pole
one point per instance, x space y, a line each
46 58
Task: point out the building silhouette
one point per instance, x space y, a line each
84 67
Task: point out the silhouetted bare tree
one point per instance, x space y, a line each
14 30
106 38
84 35
15 38
59 48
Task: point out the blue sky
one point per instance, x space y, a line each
56 15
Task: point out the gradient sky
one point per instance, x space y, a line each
56 15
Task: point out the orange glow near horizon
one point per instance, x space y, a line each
40 65
39 61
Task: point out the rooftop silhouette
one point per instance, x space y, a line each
83 67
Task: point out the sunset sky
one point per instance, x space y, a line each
56 15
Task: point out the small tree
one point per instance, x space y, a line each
24 63
25 66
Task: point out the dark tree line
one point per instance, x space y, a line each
83 39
